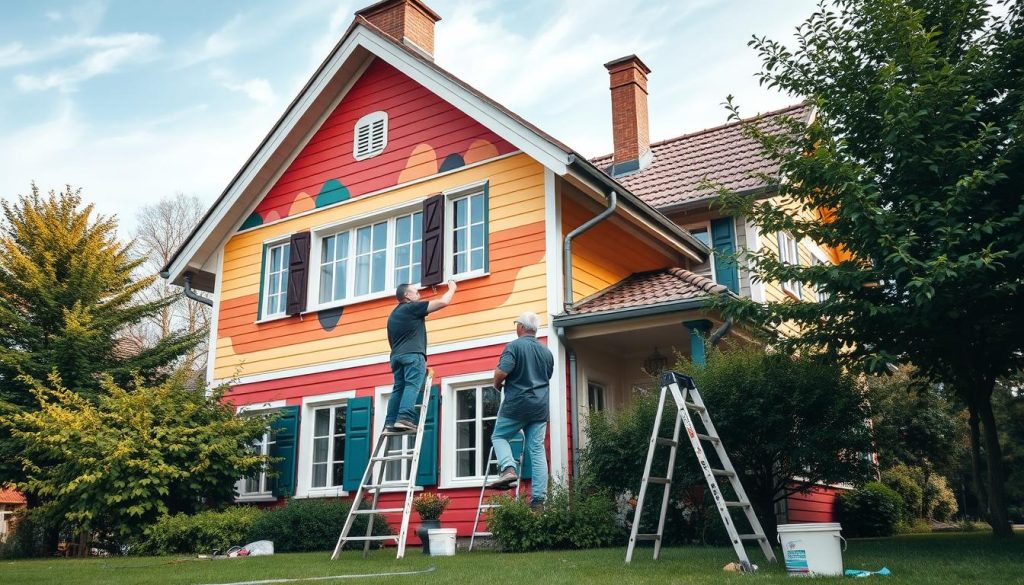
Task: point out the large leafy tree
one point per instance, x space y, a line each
914 166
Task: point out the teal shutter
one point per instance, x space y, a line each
723 242
263 272
517 447
427 472
358 432
285 433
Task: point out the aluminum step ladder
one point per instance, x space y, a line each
481 507
373 483
687 398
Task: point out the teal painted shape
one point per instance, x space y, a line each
357 441
329 318
426 474
285 435
698 333
252 221
723 242
452 161
331 192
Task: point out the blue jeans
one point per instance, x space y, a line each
508 428
409 369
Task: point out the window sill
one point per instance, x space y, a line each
473 482
322 493
255 498
272 319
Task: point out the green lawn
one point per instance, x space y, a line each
940 558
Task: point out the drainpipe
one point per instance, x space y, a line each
192 294
715 337
613 199
574 402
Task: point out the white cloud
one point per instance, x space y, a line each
13 54
111 53
54 15
258 89
221 43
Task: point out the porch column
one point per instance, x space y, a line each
698 333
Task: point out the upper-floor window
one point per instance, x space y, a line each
819 294
275 275
370 136
703 233
468 233
790 254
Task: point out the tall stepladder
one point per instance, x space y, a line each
687 398
373 482
482 506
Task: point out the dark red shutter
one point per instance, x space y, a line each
433 241
298 273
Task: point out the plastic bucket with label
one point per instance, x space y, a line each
442 542
813 548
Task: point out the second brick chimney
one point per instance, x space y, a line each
407 21
630 133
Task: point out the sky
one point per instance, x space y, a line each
135 101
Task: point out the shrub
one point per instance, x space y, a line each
872 510
430 506
310 525
942 505
901 480
204 532
572 519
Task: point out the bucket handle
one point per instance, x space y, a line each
843 540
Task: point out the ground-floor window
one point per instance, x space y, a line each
328 462
595 396
469 411
259 484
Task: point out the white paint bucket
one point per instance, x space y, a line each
812 549
442 542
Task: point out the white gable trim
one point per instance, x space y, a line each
486 114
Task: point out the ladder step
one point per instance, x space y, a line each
483 534
489 506
695 407
753 537
723 473
666 442
374 537
708 438
376 486
391 457
737 504
640 537
379 511
661 480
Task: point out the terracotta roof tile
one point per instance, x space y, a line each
649 288
723 155
9 496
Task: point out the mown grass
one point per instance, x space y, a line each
928 558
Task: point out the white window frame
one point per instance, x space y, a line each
449 385
389 215
451 195
304 481
789 254
369 121
265 495
705 225
381 395
603 395
265 314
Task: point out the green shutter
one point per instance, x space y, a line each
358 433
517 447
263 271
285 434
427 472
723 242
487 226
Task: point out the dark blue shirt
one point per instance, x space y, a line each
529 365
407 332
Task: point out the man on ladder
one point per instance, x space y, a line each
407 336
523 373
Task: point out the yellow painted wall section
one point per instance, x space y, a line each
606 253
483 306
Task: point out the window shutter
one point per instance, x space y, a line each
298 273
723 242
263 275
285 433
357 441
433 241
517 447
427 472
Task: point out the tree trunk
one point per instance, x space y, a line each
975 436
998 516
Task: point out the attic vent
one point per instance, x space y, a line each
371 135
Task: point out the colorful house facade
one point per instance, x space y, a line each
387 169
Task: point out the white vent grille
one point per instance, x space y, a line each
371 135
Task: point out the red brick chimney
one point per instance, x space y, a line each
628 77
407 21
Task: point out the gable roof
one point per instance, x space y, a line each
723 155
360 43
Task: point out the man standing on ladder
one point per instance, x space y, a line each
523 373
407 336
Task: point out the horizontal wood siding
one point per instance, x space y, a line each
817 505
483 306
606 253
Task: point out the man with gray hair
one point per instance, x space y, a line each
523 373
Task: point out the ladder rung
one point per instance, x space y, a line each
391 457
723 473
666 442
648 537
379 511
489 506
708 438
695 407
737 504
377 486
374 537
661 480
753 537
483 534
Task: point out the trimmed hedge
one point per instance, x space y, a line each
572 519
309 525
204 532
872 510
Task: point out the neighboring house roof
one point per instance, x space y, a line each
722 155
669 288
9 496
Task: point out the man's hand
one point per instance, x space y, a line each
499 379
443 301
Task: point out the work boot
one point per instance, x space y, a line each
505 480
404 426
537 506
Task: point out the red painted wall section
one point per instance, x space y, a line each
426 135
817 505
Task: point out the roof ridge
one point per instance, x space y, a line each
702 282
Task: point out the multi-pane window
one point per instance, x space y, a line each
408 248
469 231
259 483
371 258
276 278
706 268
329 446
789 254
476 410
819 294
334 267
394 471
595 396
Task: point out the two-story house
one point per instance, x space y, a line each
387 169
